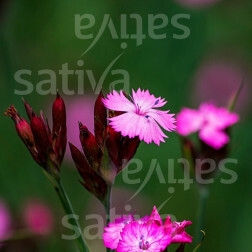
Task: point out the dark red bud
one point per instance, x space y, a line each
80 160
113 145
59 128
41 138
60 146
24 131
28 109
129 147
59 115
100 119
22 126
92 181
45 122
121 149
90 147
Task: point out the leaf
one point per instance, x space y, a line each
234 98
198 246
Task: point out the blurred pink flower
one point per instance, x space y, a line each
5 221
38 217
140 118
210 121
218 80
197 3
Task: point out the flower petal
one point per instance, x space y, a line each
189 121
135 233
112 233
131 125
165 120
219 118
177 231
155 217
147 101
214 138
118 102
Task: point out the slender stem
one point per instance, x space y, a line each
107 205
203 193
69 211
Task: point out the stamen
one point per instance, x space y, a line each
144 245
131 98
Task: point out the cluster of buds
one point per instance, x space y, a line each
46 146
106 152
121 149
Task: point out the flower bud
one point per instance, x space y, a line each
121 149
22 126
113 145
129 147
28 109
92 181
90 147
59 128
59 115
46 147
41 138
24 131
100 119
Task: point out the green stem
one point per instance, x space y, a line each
107 205
69 211
203 196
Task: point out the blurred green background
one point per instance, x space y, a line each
41 35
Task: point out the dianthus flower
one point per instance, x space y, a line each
210 121
148 233
140 116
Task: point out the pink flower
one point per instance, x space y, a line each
112 233
148 233
38 218
137 237
140 118
210 121
177 230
